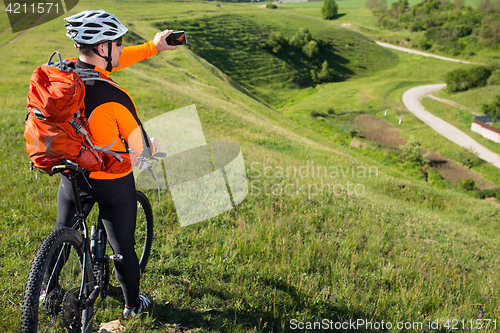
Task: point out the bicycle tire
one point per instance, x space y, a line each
143 240
53 313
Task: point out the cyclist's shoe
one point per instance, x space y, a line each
43 293
130 312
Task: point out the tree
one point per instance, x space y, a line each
329 10
493 108
326 74
399 9
311 49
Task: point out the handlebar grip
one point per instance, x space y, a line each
160 155
67 166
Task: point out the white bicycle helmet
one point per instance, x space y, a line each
93 26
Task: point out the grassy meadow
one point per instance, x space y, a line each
328 231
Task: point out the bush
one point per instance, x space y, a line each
311 49
329 10
464 79
493 108
494 79
271 5
491 193
468 184
316 114
422 43
411 152
479 76
301 38
436 180
326 74
276 42
468 157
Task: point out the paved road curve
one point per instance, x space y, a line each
411 99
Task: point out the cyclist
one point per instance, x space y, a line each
113 122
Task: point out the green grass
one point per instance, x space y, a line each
363 240
462 119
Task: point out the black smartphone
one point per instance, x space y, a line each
177 38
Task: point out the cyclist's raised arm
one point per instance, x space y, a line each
134 54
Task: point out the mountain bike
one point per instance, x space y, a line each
74 267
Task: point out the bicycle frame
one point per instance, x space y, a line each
80 223
72 269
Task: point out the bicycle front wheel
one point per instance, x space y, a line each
143 238
54 300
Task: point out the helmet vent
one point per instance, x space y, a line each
93 25
111 24
92 32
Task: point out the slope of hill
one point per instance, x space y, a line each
243 46
327 231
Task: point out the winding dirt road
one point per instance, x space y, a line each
411 100
404 49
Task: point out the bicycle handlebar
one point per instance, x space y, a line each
68 165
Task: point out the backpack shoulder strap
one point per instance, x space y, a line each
89 75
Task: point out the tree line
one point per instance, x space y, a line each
444 25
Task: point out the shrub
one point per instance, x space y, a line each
493 108
316 114
350 129
411 152
468 157
436 180
301 38
326 74
491 193
276 42
271 5
422 43
479 76
468 184
329 10
464 79
311 49
494 79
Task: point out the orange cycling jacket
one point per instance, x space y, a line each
112 113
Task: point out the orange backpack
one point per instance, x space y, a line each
56 127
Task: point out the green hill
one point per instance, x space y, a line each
242 46
327 231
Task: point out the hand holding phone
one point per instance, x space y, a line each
177 38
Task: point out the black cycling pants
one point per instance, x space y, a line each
117 209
